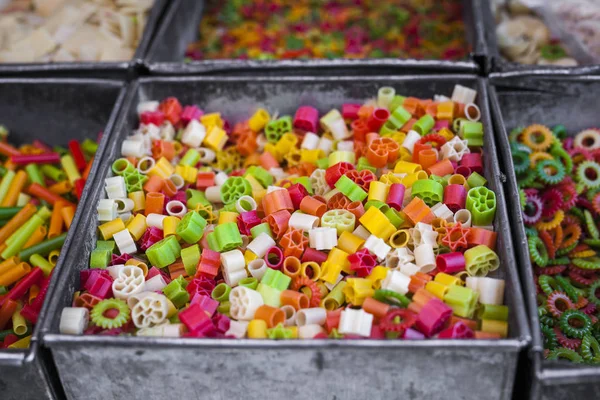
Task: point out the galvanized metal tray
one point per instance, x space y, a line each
156 368
116 69
499 63
549 100
54 111
180 27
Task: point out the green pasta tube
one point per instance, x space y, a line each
336 297
43 248
35 175
53 173
5 184
38 261
20 238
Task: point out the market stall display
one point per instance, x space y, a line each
303 226
113 354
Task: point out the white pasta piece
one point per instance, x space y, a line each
74 320
129 282
151 310
357 322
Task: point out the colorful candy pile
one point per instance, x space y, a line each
39 190
559 177
373 221
259 29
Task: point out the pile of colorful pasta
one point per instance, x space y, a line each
259 29
39 190
372 221
559 178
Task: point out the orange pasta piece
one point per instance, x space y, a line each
37 237
56 220
61 188
6 312
68 213
154 203
19 219
154 184
18 183
88 168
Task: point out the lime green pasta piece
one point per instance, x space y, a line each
564 354
481 260
592 263
590 349
98 313
537 251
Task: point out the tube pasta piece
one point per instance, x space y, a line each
491 291
233 263
238 329
164 330
377 246
324 238
74 320
357 322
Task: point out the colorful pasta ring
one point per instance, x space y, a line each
583 327
564 157
552 223
567 288
99 317
537 137
564 353
590 349
537 251
532 212
589 263
594 293
550 341
558 302
579 155
553 201
315 293
520 161
588 139
538 156
550 172
548 284
588 173
398 320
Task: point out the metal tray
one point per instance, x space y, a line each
548 100
156 368
500 64
116 69
180 27
52 110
